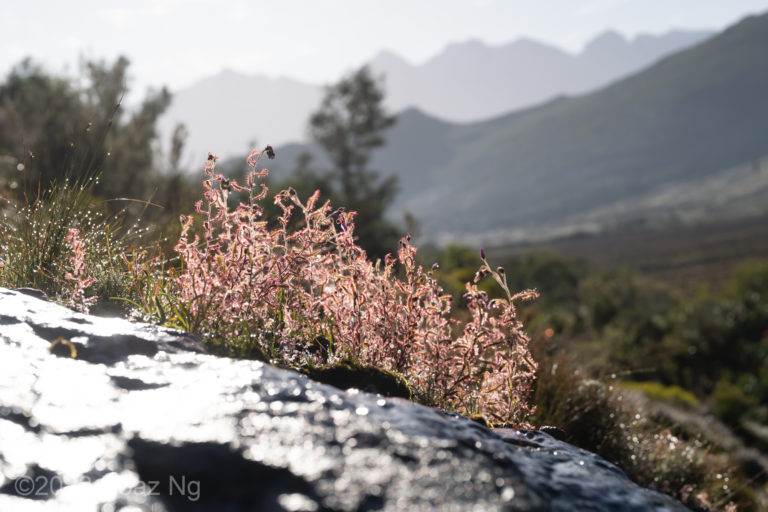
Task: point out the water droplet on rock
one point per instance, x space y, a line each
508 494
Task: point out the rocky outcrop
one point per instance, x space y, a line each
141 418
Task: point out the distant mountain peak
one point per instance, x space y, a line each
477 46
462 50
387 59
527 42
230 76
608 41
467 44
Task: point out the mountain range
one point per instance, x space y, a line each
472 81
466 82
686 134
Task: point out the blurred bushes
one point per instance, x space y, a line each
670 394
713 345
58 128
730 403
627 324
587 410
595 415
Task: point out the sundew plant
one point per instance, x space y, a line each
309 296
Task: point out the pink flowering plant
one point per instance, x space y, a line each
308 295
76 277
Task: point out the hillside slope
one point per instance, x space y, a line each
685 119
674 136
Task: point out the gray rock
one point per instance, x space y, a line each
142 419
33 292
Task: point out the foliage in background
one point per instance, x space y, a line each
56 126
596 415
670 394
713 344
349 124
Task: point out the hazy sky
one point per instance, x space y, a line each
175 42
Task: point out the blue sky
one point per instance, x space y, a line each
175 42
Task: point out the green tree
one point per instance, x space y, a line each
349 124
57 127
178 190
39 121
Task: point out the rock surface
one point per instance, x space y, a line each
143 420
